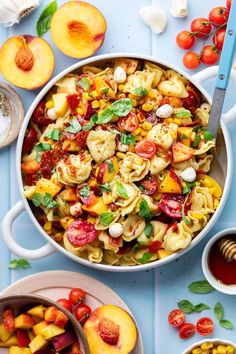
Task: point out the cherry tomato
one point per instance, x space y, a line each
201 27
76 296
219 15
185 40
73 102
39 115
172 205
82 313
228 4
205 326
149 185
218 38
129 123
81 138
193 101
81 233
29 141
209 55
191 60
146 148
187 330
176 318
65 303
154 246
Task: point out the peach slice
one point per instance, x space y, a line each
26 61
78 29
110 330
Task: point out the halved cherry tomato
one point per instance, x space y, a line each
81 138
219 15
81 233
201 27
210 55
73 103
172 205
193 101
187 330
39 116
76 296
65 303
146 148
30 140
154 246
149 185
129 123
191 60
82 313
205 326
185 40
218 38
228 4
176 318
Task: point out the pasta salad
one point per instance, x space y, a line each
115 162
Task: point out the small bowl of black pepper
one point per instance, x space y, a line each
11 114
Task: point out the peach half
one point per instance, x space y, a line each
110 330
26 61
78 29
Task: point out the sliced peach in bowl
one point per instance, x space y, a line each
26 61
110 330
78 29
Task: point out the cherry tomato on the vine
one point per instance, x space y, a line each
65 303
205 326
176 318
76 296
191 60
187 330
185 40
209 55
82 313
228 4
219 15
219 38
201 27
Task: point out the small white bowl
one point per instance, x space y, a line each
210 340
226 289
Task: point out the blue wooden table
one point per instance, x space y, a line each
141 291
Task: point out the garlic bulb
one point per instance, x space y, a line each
154 17
179 8
11 11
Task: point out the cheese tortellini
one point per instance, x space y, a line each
163 135
101 145
133 167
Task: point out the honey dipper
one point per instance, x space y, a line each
228 248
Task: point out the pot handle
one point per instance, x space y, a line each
8 237
210 73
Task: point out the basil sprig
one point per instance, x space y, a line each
219 315
44 200
19 263
119 108
187 307
44 21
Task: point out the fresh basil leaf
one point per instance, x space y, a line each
186 306
110 165
183 114
197 128
44 21
141 187
119 108
183 136
84 192
74 126
144 210
84 83
219 311
196 141
19 263
106 218
91 123
121 190
226 324
54 134
141 91
105 90
105 116
201 307
148 229
200 287
105 187
127 139
46 200
208 135
189 186
145 258
40 147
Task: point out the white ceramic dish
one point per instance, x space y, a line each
215 341
226 289
224 155
57 284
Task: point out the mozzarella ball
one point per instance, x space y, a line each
76 209
188 175
51 113
164 111
119 75
116 230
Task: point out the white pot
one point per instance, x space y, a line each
52 246
210 340
226 289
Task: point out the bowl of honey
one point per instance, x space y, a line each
219 261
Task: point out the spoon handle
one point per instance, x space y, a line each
225 66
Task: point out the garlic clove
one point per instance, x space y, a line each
179 8
116 230
11 11
164 111
154 17
189 174
119 75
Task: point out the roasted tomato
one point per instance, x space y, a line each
48 161
148 185
172 205
176 318
39 115
205 326
146 148
31 179
154 246
193 101
129 123
187 330
30 140
81 232
73 103
81 138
